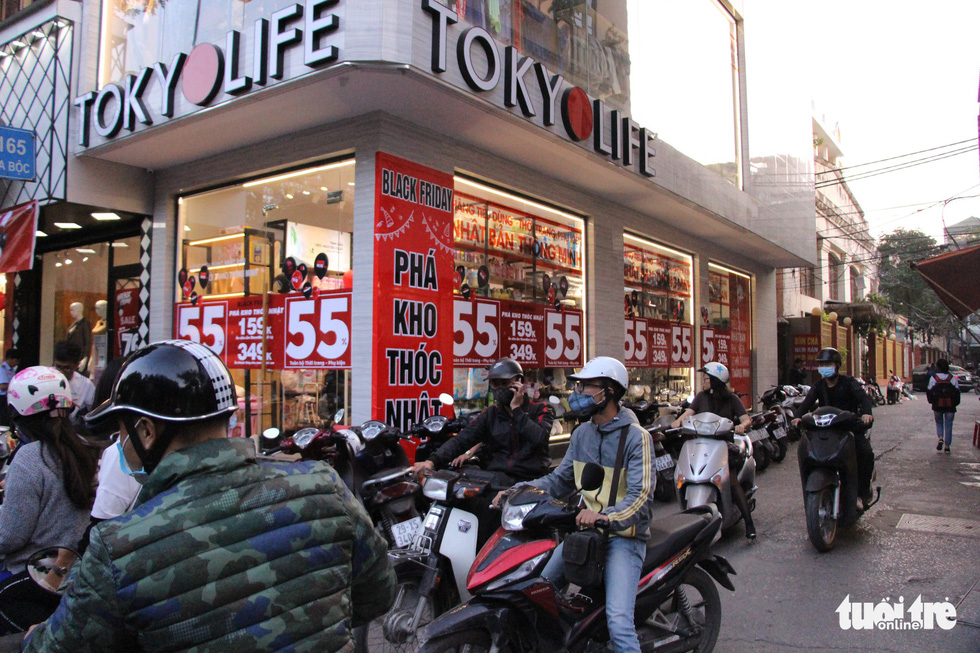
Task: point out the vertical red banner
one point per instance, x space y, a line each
413 290
740 346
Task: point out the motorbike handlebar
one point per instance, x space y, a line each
602 523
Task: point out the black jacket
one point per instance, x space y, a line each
847 394
516 445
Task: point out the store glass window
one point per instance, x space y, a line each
264 280
89 297
727 336
659 333
520 292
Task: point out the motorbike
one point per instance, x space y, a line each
873 391
373 465
828 472
791 405
514 608
647 412
432 570
772 401
702 476
763 450
895 386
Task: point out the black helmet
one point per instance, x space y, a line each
172 380
505 368
829 355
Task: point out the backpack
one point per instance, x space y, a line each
945 396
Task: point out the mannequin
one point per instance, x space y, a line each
80 335
98 356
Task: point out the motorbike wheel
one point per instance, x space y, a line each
704 617
820 523
762 457
780 453
664 491
375 640
466 642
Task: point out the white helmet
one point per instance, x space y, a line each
603 367
716 370
38 389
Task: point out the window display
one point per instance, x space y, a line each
265 282
659 334
520 291
727 335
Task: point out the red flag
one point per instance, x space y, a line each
18 227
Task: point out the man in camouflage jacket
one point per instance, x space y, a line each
223 552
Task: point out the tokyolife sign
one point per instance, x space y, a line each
202 72
613 134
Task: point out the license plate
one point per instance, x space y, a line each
758 434
779 432
665 462
404 532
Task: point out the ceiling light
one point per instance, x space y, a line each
349 183
186 228
308 171
118 244
40 234
38 33
217 239
84 258
106 216
84 250
323 188
306 192
67 261
58 264
19 44
289 196
67 225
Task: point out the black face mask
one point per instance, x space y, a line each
503 396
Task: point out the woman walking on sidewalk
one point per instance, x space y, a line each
943 392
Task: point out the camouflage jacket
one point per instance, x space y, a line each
226 553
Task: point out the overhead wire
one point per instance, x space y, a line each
900 156
894 168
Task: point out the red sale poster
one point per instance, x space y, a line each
127 321
740 345
658 343
413 290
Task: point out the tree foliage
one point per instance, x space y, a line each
904 289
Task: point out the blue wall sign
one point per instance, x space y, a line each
17 159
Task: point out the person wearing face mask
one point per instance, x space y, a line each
512 434
223 551
600 385
844 393
717 398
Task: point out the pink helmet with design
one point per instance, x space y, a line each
38 389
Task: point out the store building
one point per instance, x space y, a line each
361 204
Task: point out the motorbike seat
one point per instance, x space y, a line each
670 535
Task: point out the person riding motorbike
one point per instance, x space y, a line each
602 382
717 398
844 393
49 491
513 433
223 551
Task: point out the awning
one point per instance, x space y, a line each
954 278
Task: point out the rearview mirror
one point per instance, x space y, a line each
338 416
271 433
446 399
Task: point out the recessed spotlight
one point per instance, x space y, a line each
67 261
350 183
323 188
58 264
84 258
106 216
289 196
306 192
67 225
40 234
84 250
118 244
186 228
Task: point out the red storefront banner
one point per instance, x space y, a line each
658 343
18 227
290 331
413 290
534 335
740 343
716 346
127 322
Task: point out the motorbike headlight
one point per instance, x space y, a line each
512 518
436 488
526 568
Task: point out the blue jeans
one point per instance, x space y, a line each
944 426
624 562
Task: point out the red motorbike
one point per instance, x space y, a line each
514 609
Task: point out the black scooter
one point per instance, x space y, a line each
828 471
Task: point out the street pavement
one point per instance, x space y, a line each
787 594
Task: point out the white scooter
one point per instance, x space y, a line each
702 475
